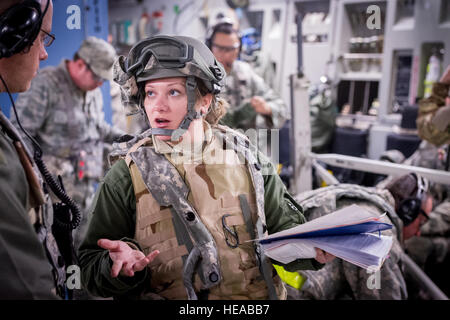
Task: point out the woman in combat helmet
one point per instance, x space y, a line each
174 214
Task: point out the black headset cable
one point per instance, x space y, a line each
54 186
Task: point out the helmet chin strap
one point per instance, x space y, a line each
191 114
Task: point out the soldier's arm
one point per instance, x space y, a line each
279 109
113 218
33 106
282 211
430 108
108 132
20 249
24 270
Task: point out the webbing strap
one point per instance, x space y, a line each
169 255
181 232
155 217
264 266
169 189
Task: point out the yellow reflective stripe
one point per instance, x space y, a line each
279 167
294 279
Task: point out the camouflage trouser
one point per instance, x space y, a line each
342 280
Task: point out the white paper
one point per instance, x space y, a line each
289 251
353 214
363 250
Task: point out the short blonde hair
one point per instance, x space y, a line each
218 107
217 110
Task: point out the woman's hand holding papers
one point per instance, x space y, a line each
323 257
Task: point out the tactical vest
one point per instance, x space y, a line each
219 193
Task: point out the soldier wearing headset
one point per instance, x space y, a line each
25 272
406 201
254 105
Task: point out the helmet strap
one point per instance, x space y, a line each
191 114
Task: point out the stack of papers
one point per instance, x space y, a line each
346 233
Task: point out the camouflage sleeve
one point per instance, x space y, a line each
434 244
387 283
108 132
33 105
279 109
25 272
113 217
282 211
427 109
325 284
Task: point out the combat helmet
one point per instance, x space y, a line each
163 57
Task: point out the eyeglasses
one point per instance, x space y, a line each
231 236
423 213
226 48
95 77
48 39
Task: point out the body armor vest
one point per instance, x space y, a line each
215 190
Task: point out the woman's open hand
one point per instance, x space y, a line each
126 260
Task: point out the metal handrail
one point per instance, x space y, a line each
381 167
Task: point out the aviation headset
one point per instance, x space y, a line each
410 208
224 26
20 26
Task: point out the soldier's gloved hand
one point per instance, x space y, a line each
323 257
441 118
126 260
260 105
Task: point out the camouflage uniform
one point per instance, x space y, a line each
323 115
27 259
240 86
130 123
116 216
262 65
434 244
69 125
427 109
343 280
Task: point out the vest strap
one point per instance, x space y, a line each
234 220
169 189
168 255
128 158
156 217
158 237
252 273
264 266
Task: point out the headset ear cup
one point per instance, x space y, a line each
3 51
19 27
409 209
